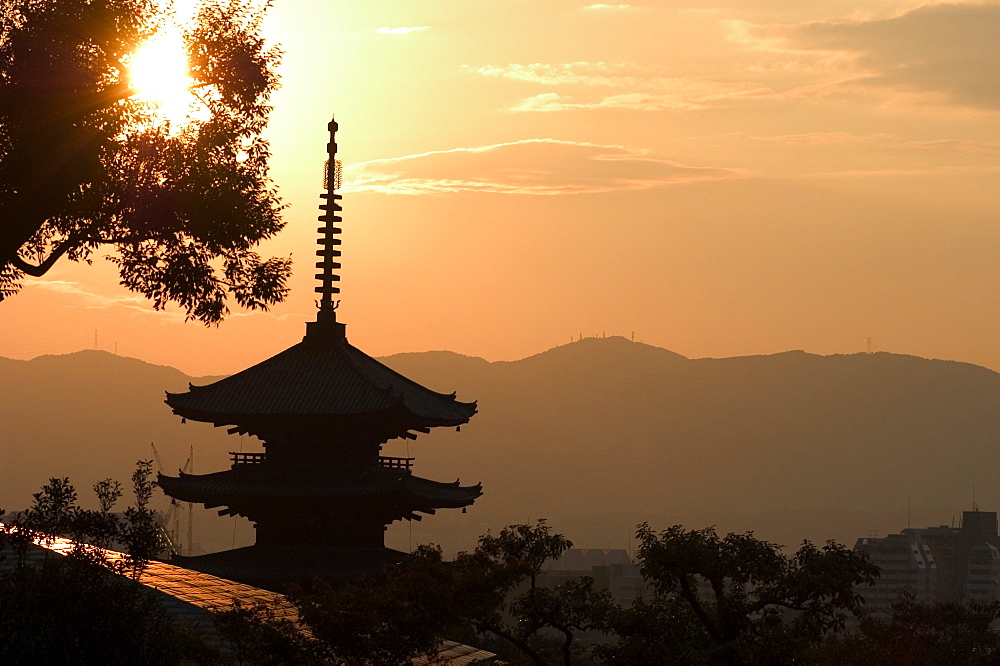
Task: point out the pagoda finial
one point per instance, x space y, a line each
329 248
329 251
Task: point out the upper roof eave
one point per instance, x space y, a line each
323 380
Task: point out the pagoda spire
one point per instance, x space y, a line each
329 243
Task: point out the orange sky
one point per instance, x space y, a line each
720 178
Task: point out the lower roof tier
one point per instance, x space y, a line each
234 486
273 567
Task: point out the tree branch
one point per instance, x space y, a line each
566 646
43 268
692 600
517 642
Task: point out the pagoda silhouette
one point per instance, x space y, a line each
322 496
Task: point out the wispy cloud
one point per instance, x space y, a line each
401 30
531 166
136 304
601 6
631 101
641 87
90 301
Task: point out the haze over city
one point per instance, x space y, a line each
721 179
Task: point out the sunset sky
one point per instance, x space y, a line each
721 178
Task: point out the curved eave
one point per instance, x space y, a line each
399 410
335 381
389 423
227 487
366 365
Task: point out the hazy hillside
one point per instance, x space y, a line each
603 433
596 436
90 415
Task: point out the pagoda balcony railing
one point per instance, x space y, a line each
395 463
388 462
240 458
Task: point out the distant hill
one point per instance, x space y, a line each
596 435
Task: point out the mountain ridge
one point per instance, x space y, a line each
597 427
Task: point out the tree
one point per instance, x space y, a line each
490 594
81 608
257 634
498 585
919 633
85 165
54 512
390 619
736 599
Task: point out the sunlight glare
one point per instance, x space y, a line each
158 72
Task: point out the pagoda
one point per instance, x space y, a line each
320 496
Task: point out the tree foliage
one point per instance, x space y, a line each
498 587
82 608
919 633
391 619
736 599
85 165
256 634
489 595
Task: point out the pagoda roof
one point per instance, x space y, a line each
274 566
323 376
235 486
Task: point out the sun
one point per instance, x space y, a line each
158 74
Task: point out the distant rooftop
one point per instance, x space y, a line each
585 559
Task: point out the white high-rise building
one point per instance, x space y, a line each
906 565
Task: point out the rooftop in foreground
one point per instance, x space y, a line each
191 595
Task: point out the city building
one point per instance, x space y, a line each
907 566
611 569
937 564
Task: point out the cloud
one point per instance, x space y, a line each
633 101
945 52
401 30
91 301
601 6
530 166
641 87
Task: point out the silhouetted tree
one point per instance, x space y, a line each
916 633
389 619
497 584
487 595
735 599
84 165
256 634
80 608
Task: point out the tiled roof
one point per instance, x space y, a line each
458 654
190 595
325 378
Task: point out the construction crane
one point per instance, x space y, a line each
171 516
189 468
